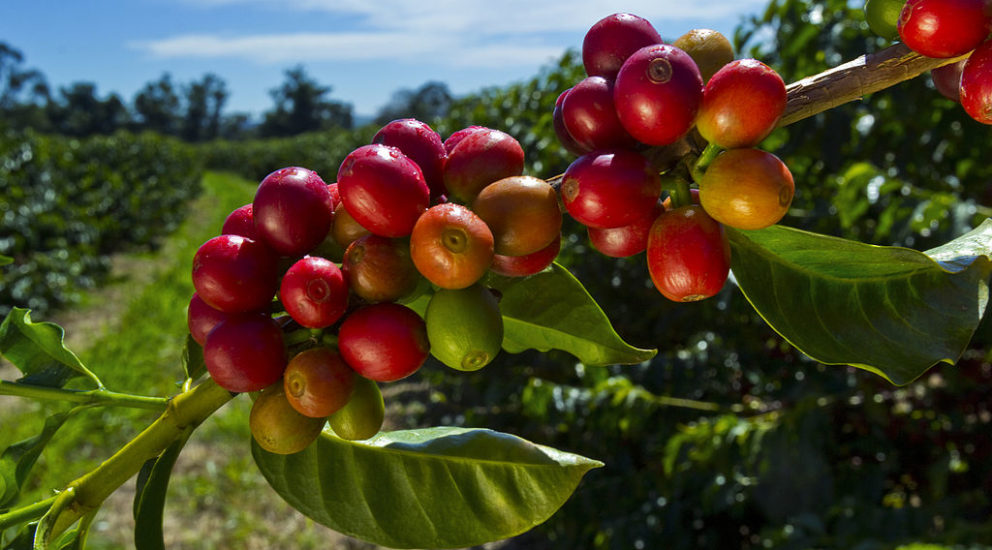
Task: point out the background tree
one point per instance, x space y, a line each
79 112
204 102
301 106
157 106
427 103
23 91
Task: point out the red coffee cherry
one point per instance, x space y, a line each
479 159
741 104
457 137
976 84
240 222
379 269
292 210
657 94
591 118
314 292
384 342
522 266
522 212
610 188
622 242
245 353
235 274
565 138
451 246
688 254
612 39
421 144
201 318
383 189
947 80
318 382
944 28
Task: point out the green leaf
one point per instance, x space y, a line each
433 488
193 364
5 260
149 498
552 310
18 459
893 311
37 350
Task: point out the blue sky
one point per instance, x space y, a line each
364 50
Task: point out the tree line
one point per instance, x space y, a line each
193 111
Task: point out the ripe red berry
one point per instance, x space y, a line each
314 292
657 94
944 28
522 266
201 318
479 159
612 39
457 137
384 342
741 104
565 138
383 189
621 242
240 222
292 210
610 188
421 144
947 79
235 274
591 118
976 84
245 353
688 254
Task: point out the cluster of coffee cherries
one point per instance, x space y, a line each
642 94
303 297
945 29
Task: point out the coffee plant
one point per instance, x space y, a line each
319 292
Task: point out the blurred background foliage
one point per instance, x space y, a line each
729 438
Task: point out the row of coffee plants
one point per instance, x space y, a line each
68 203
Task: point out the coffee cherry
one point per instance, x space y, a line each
362 417
379 269
657 94
451 246
235 274
741 104
944 28
612 39
688 254
245 353
384 342
522 266
314 292
383 190
591 118
565 138
708 48
610 188
622 242
479 159
277 427
292 210
345 229
522 212
421 144
457 137
947 80
318 382
976 84
464 327
883 17
201 318
747 189
240 222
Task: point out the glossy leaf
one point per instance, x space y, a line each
193 364
433 488
37 350
19 458
889 310
552 310
149 498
